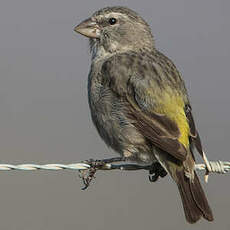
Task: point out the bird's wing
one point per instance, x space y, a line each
136 82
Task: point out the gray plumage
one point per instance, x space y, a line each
139 103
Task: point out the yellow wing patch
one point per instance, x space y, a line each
173 107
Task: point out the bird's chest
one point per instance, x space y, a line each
100 96
106 109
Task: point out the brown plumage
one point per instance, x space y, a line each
139 103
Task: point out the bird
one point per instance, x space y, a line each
139 103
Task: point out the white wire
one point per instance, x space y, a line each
216 167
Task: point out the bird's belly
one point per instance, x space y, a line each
118 132
108 119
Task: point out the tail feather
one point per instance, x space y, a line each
193 198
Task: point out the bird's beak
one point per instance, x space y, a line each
88 28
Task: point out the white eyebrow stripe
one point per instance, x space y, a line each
111 14
114 14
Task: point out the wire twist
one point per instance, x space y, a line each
32 167
220 167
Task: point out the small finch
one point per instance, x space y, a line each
139 103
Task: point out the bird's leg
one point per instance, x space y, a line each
87 175
155 171
113 160
100 163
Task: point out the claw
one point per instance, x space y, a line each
153 178
87 175
162 172
157 170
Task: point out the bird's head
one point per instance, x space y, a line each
116 29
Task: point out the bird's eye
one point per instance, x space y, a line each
112 21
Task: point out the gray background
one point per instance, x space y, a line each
44 115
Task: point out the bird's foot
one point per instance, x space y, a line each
87 175
156 171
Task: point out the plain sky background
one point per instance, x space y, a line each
44 115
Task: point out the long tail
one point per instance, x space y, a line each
193 198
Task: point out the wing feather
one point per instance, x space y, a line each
122 71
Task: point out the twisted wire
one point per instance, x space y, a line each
32 167
220 167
